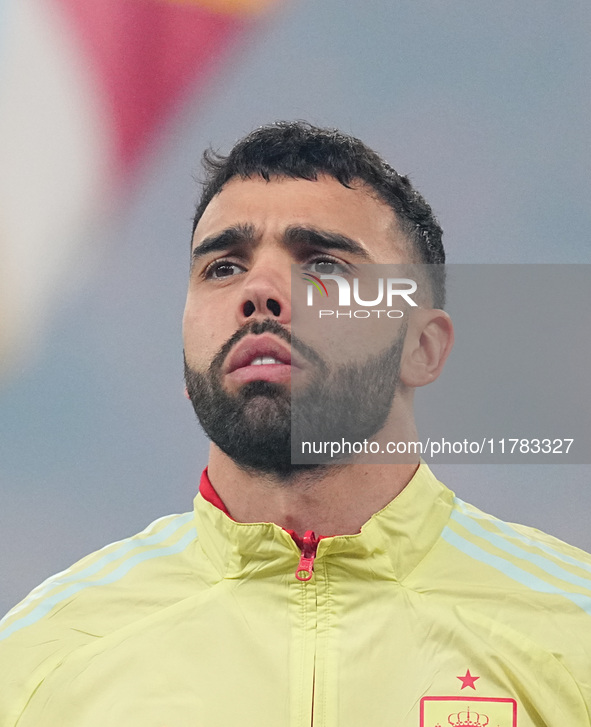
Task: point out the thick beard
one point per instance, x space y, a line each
254 426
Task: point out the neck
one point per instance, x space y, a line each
336 500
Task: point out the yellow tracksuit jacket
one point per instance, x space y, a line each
434 615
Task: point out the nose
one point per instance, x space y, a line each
266 292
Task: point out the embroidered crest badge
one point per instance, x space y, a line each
468 712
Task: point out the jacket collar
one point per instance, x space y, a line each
392 542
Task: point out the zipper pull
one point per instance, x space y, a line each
305 569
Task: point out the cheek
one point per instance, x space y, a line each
203 333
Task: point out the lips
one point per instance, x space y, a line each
251 348
259 358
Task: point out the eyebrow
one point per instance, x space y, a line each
229 237
326 240
294 235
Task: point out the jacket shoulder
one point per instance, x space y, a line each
515 585
480 558
104 591
521 541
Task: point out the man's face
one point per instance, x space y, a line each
237 323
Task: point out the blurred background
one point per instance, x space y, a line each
105 109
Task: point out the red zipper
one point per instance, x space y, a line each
305 569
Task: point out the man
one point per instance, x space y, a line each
306 594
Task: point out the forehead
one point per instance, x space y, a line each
326 204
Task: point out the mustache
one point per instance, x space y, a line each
257 328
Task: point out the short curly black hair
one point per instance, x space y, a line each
299 150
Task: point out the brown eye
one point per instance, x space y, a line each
324 266
222 269
327 266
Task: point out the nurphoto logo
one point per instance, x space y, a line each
389 290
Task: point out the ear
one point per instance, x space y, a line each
428 342
187 394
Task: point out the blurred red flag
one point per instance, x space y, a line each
86 89
145 55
